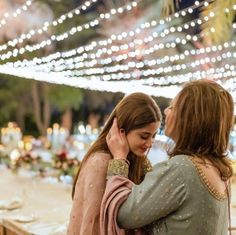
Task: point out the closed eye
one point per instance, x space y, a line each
144 137
147 136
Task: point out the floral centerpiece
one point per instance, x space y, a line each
65 165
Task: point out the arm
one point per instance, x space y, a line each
91 182
162 192
89 190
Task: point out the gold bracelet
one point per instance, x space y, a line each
118 167
121 159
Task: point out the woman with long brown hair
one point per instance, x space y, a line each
189 193
139 118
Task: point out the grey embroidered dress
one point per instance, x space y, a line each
175 199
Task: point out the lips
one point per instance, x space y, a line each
143 149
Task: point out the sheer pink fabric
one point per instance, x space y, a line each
117 190
90 187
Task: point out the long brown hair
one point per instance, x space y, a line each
132 112
204 114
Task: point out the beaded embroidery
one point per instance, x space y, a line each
147 166
215 193
118 167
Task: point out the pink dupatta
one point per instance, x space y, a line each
117 190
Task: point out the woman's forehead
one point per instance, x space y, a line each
148 127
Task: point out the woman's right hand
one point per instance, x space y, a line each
117 142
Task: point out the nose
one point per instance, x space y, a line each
149 142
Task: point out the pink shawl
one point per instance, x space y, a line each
117 190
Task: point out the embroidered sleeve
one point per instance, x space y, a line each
118 167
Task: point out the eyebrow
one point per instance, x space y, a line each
148 133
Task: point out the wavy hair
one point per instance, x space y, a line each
132 112
204 115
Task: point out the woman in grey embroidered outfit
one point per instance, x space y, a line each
189 193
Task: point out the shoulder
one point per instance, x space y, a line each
184 166
182 160
101 155
99 158
95 165
177 165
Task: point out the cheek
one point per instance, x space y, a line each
134 142
170 125
170 118
169 122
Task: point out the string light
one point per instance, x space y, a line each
124 34
136 74
92 79
46 25
102 42
213 73
17 12
76 63
70 32
112 49
131 65
164 80
154 35
92 84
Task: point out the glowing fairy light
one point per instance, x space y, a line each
63 36
91 70
46 25
95 83
16 13
74 30
92 84
93 45
78 62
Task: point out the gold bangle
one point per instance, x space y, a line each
118 167
122 159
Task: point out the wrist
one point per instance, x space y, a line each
118 167
120 157
123 160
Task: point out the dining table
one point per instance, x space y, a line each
35 205
30 204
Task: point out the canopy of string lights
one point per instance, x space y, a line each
138 47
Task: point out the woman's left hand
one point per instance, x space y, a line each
117 142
